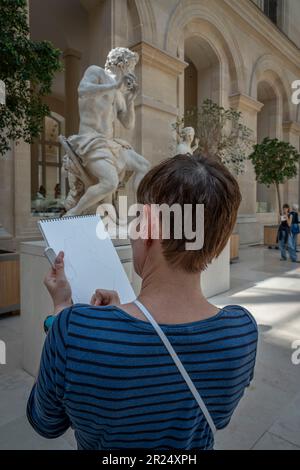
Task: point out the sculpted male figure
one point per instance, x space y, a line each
104 96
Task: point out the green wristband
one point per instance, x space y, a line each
48 322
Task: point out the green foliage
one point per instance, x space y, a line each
274 161
220 132
27 69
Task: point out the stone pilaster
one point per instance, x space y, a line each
248 226
157 105
291 134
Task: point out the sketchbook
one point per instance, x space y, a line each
91 260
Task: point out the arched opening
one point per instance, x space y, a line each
48 180
68 26
267 120
197 25
190 85
202 76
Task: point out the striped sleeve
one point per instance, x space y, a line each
45 409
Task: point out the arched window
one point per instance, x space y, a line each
271 9
275 10
190 86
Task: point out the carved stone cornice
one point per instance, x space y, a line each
243 102
292 127
151 55
150 102
71 53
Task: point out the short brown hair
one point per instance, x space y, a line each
197 179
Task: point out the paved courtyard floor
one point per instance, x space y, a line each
268 416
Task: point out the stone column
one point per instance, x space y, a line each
72 78
16 222
248 226
291 190
25 223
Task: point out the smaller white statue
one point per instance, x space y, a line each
184 141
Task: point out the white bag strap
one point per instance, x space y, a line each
179 365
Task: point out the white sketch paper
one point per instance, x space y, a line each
90 262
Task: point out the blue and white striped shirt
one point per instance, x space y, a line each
108 376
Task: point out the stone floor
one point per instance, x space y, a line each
268 417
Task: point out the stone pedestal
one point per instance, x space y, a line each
216 279
36 303
248 229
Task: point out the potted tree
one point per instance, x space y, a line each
220 132
275 162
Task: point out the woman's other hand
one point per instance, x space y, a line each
58 285
105 297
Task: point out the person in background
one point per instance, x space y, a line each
57 191
39 203
295 229
284 235
41 194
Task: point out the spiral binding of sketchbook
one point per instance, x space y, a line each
91 260
67 217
